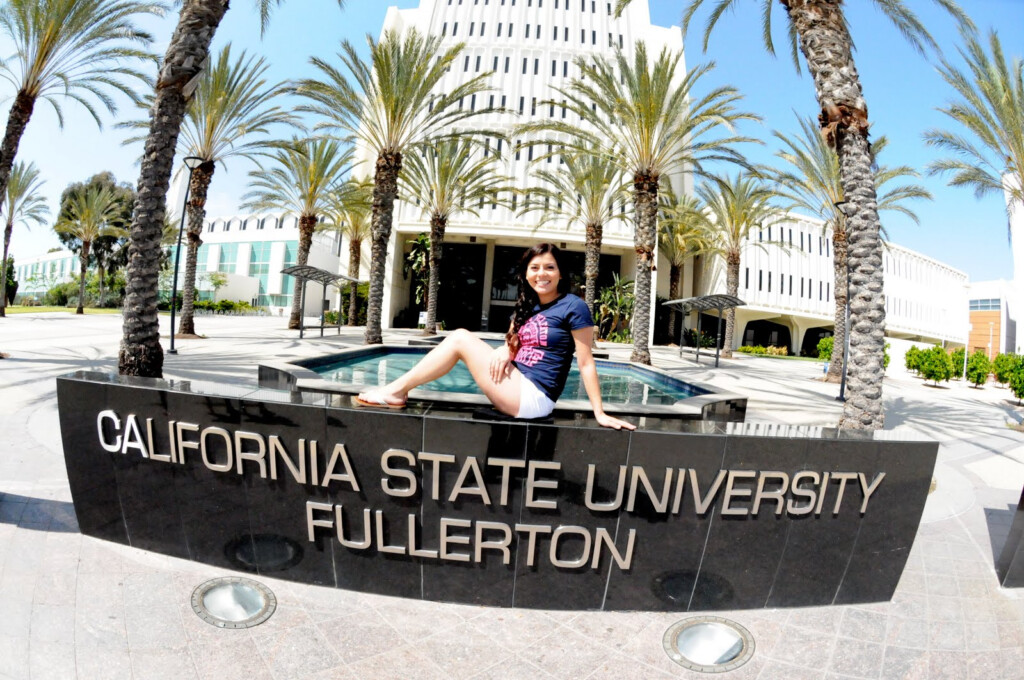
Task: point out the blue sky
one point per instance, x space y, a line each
902 89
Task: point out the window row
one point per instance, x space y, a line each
764 283
535 31
806 244
540 3
985 305
269 222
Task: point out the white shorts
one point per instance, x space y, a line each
532 402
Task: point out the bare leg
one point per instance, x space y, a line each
476 354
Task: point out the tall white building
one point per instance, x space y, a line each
531 46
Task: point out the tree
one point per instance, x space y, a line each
957 357
990 159
186 57
813 184
74 49
737 205
450 177
9 284
978 368
301 179
825 347
1015 377
23 204
935 364
684 231
650 124
109 252
393 110
1002 366
584 189
229 112
350 209
912 358
89 217
819 30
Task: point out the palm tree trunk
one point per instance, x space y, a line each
140 352
732 287
437 225
83 260
385 188
306 225
354 248
8 230
674 275
17 119
645 203
199 186
827 46
839 255
592 263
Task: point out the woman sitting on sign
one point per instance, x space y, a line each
525 376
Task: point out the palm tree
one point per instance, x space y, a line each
584 189
350 210
684 232
736 205
450 177
991 108
813 185
819 29
304 174
89 217
655 126
186 57
231 105
24 204
74 49
392 109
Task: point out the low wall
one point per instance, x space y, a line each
435 505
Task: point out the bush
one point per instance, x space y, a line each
690 338
978 368
777 351
885 357
958 362
756 350
912 359
61 294
825 348
1003 366
1015 377
935 364
331 317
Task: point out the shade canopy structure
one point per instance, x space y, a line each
307 273
704 303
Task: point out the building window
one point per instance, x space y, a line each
522 103
444 28
527 30
507 59
536 66
746 270
478 64
769 282
483 25
533 106
760 279
554 68
499 29
472 25
524 65
455 26
494 66
465 63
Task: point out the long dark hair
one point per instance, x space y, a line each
527 298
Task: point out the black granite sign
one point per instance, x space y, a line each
435 505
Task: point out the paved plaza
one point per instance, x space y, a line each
73 606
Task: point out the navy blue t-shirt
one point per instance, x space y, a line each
546 345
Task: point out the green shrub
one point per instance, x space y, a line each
825 348
935 364
331 317
61 294
1015 377
885 357
958 362
1003 366
978 368
912 359
756 350
691 338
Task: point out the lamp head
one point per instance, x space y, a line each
193 162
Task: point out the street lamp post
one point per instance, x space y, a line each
991 324
191 162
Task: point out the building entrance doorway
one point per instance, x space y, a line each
460 298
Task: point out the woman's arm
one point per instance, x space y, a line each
501 361
588 371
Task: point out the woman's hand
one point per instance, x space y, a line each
605 420
501 364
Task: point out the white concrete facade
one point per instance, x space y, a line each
787 278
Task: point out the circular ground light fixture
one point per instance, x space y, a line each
233 602
709 644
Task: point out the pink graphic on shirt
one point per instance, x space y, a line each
532 334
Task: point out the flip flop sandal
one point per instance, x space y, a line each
378 402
